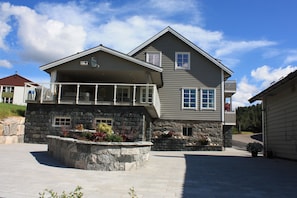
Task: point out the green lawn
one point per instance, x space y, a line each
7 110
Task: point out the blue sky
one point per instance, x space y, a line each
256 39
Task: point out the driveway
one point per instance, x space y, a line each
26 170
239 141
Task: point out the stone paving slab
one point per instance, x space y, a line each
26 170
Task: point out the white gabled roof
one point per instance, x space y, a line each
97 49
195 47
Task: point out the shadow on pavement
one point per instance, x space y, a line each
257 137
42 157
231 176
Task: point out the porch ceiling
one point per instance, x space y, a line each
109 76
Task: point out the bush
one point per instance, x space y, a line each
114 138
254 147
75 194
105 128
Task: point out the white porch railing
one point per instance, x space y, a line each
95 94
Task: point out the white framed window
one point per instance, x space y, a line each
62 121
208 98
182 60
146 94
189 98
123 94
154 58
108 121
8 89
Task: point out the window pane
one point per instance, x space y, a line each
153 58
189 96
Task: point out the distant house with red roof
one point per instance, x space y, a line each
12 89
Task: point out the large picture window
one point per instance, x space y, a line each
208 99
154 58
182 60
189 98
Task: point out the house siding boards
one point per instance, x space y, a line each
126 71
202 74
280 117
281 112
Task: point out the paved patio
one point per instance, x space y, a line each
26 170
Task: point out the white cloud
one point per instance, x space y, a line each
260 79
291 57
229 47
4 30
44 39
267 75
245 90
5 63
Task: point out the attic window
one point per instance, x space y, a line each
154 58
182 60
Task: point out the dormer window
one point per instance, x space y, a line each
182 60
154 58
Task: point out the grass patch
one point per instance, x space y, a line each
7 110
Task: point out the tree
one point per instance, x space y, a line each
249 118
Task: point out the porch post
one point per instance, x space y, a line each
41 95
96 93
77 94
59 93
134 95
115 95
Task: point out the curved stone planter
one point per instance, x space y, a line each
103 156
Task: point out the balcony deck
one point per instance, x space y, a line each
230 88
145 95
230 118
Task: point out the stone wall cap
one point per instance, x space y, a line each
139 143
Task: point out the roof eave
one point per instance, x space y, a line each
276 85
96 49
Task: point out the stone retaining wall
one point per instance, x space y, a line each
103 156
12 130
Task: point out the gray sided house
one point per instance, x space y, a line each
279 117
165 89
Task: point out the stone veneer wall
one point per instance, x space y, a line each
227 132
103 156
210 129
130 120
12 130
172 144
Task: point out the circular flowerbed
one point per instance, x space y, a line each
99 149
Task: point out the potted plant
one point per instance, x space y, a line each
254 148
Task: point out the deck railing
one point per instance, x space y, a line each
95 94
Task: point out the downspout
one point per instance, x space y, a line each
222 97
222 107
264 128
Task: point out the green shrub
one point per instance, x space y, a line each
75 194
105 128
114 138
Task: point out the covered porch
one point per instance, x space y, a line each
95 94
